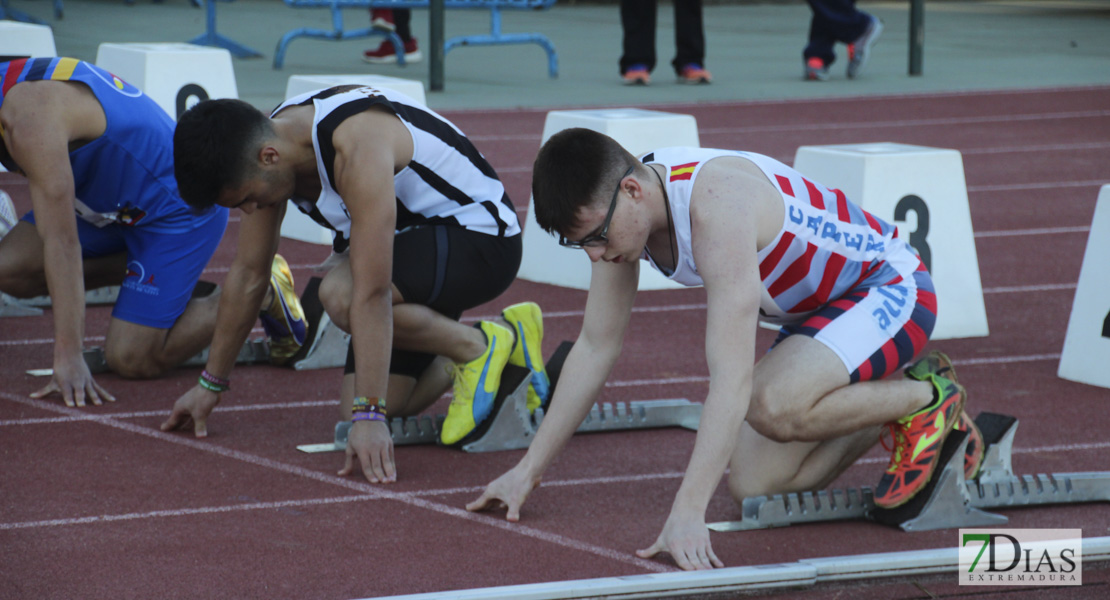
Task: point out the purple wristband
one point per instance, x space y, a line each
210 378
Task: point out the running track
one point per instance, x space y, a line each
97 503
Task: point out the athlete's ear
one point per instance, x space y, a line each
268 156
632 186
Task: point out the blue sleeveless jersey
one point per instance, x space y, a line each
126 174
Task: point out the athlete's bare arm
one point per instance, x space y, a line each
726 210
42 121
608 309
370 148
244 290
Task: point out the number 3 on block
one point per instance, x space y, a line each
917 206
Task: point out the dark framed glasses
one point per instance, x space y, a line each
602 236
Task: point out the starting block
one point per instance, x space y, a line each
923 191
325 344
299 84
1087 344
511 427
24 40
639 131
947 502
176 76
13 307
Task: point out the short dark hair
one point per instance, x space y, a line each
568 173
212 148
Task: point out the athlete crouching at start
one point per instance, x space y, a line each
854 300
423 231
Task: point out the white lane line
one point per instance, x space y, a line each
1039 231
582 482
205 510
1048 287
352 484
164 413
1079 114
1001 360
1008 187
181 512
1043 148
91 339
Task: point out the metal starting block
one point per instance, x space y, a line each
14 307
947 502
325 344
511 427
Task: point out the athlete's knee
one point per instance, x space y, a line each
18 281
133 362
773 414
336 300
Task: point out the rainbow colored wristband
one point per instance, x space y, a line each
363 404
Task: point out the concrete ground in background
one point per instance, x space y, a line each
754 50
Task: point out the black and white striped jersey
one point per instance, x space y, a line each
448 182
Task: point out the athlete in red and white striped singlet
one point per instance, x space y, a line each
835 272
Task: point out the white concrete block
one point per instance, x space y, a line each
299 84
176 76
298 226
1086 355
921 190
639 131
26 40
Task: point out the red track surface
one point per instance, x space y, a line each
97 503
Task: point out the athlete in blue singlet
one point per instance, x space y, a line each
92 144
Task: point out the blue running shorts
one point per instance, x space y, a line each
162 268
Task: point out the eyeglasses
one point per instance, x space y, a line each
600 238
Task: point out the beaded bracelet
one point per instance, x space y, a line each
362 404
368 416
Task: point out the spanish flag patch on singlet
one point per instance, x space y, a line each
683 172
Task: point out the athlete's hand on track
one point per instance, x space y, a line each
372 443
75 383
686 539
196 404
510 490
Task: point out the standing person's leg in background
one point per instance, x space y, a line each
393 20
838 21
689 37
638 24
